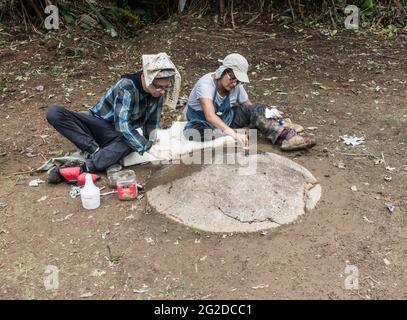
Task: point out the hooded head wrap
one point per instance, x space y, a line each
160 66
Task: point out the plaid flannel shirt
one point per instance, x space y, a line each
128 107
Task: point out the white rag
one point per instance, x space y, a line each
272 113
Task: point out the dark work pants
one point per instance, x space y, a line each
243 116
88 133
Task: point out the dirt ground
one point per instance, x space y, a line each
352 84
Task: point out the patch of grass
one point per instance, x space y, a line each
115 257
390 31
253 93
19 177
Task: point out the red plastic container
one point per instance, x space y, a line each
126 185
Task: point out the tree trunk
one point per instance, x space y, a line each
38 12
221 8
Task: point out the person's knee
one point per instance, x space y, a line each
111 154
54 114
256 113
259 108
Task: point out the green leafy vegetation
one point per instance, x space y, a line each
126 17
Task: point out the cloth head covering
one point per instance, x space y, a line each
160 66
237 63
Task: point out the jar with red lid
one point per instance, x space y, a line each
126 185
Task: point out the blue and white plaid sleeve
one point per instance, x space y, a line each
123 103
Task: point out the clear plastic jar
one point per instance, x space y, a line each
126 185
112 173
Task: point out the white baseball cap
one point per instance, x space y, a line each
238 64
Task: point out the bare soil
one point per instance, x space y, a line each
349 84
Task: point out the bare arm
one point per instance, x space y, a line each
248 103
210 115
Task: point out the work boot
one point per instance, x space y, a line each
297 142
54 176
69 172
288 124
269 128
